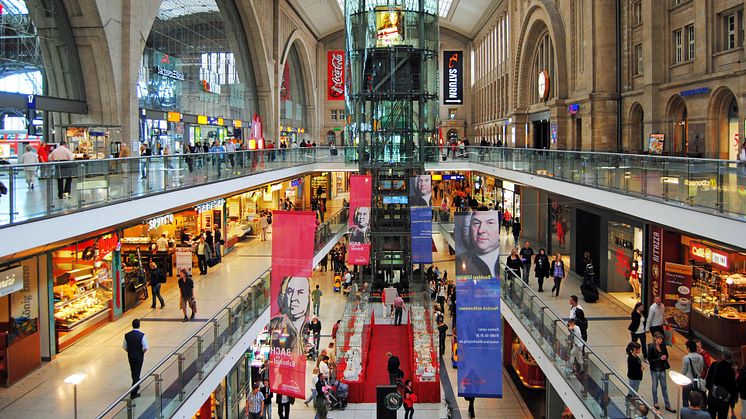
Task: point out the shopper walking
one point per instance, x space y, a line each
316 298
541 269
157 278
314 327
658 359
314 379
135 344
576 346
558 272
513 264
255 402
471 404
637 327
29 157
64 171
145 152
721 386
526 254
320 402
217 236
203 254
392 367
398 309
656 317
516 230
186 290
691 365
409 400
283 406
634 367
442 328
263 225
267 393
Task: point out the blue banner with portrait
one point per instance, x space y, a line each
422 234
478 324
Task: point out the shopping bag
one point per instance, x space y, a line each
668 339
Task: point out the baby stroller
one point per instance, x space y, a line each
311 352
336 395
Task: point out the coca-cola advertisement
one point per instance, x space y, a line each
336 75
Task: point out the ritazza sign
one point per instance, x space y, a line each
453 79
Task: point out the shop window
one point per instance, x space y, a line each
678 46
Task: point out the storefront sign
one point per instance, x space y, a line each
677 295
573 109
170 73
656 266
360 201
25 302
295 182
11 281
453 80
173 117
237 123
106 244
695 92
207 206
422 234
161 221
276 187
335 75
211 120
290 300
707 254
454 177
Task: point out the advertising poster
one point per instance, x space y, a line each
335 75
655 143
290 300
478 306
453 77
422 234
358 252
184 258
389 26
420 191
677 294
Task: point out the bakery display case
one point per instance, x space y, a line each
718 304
82 300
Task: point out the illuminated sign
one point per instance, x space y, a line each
220 121
453 77
237 123
207 206
705 253
11 281
161 221
335 75
173 117
273 188
573 109
437 177
389 26
201 119
167 72
211 120
695 92
453 177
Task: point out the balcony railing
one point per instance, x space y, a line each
95 183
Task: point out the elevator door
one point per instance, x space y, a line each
541 134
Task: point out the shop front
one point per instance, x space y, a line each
242 216
703 286
84 275
20 334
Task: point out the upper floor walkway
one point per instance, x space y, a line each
699 196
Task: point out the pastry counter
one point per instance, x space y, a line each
719 309
82 301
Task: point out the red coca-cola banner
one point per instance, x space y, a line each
360 199
335 75
290 300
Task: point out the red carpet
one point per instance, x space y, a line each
386 338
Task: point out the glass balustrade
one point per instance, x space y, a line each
95 183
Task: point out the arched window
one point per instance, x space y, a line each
293 93
543 62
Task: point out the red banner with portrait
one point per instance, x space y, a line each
335 70
360 200
290 300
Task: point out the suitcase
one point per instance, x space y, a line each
212 262
589 291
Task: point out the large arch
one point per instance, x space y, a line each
635 140
542 17
722 125
677 126
296 41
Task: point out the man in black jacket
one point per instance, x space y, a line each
721 386
136 345
393 367
157 277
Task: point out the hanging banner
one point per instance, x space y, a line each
422 234
420 191
453 77
478 305
360 200
335 75
290 301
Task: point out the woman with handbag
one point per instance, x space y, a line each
637 327
692 366
658 359
721 386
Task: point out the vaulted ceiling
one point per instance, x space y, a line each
324 17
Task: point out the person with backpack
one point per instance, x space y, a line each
692 366
721 386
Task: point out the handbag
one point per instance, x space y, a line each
698 384
718 392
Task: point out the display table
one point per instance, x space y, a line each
427 388
357 387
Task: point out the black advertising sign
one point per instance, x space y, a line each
453 79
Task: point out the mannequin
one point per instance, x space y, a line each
634 274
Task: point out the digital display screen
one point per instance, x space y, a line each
403 200
389 26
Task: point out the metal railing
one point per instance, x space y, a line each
705 185
605 393
95 183
168 384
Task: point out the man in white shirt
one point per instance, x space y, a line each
574 306
656 316
64 171
162 243
576 353
230 148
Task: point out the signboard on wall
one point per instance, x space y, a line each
389 26
677 286
335 75
655 143
453 77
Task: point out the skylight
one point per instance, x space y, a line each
341 5
171 9
444 7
